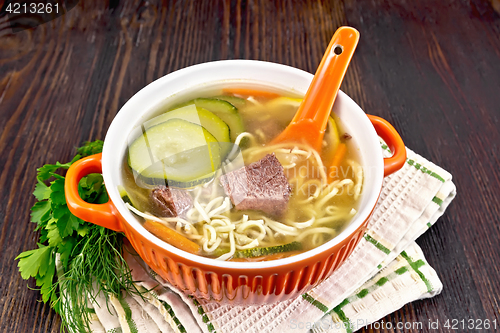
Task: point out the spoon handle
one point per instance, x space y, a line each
309 123
320 96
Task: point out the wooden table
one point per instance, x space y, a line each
431 68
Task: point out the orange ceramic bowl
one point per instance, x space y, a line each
227 281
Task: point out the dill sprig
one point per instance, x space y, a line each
97 268
89 257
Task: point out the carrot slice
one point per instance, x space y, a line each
336 160
171 236
250 92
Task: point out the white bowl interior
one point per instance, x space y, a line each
139 106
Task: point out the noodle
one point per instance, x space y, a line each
208 249
207 228
281 228
151 217
201 211
302 225
232 249
358 178
226 204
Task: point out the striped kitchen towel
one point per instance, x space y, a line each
385 271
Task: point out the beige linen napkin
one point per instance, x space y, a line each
385 271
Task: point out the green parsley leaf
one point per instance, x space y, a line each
40 212
48 170
45 281
53 235
90 148
59 211
67 223
57 196
43 232
31 262
42 191
83 230
91 187
102 198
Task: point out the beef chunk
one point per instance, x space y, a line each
261 185
171 202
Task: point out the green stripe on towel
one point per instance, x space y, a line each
384 146
377 244
418 166
363 293
366 291
401 270
415 265
437 200
347 323
382 281
171 312
315 302
128 315
204 316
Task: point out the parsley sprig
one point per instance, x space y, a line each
89 255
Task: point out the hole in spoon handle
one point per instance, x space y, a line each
338 49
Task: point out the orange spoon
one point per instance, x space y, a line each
309 123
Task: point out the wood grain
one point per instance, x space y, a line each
432 68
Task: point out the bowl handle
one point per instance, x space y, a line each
393 140
100 214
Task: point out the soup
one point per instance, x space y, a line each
204 177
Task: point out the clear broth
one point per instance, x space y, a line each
306 178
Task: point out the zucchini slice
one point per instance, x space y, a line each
138 198
175 150
224 110
124 195
263 251
196 115
235 101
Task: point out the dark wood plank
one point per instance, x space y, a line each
431 68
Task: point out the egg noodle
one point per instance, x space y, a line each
212 223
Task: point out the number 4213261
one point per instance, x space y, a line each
32 8
471 324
